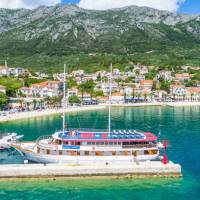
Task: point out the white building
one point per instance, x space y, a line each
105 87
178 90
73 92
4 71
44 89
117 97
165 74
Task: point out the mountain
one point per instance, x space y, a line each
49 35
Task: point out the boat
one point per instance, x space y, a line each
6 139
86 146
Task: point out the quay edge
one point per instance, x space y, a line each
143 169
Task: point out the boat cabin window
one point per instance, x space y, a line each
65 143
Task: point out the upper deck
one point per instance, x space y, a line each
114 136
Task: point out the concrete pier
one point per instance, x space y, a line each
142 169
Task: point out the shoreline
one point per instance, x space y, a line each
48 112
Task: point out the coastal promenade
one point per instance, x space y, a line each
141 169
40 113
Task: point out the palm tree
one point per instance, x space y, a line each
34 104
21 101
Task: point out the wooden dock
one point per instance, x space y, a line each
142 169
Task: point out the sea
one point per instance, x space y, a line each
180 126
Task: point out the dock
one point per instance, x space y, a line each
141 169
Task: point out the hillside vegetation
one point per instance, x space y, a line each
44 38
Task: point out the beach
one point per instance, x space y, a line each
40 113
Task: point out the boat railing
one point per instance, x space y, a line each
46 142
106 130
139 146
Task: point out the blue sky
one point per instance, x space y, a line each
190 6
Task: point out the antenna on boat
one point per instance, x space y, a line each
64 97
110 93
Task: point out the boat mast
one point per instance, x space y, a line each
64 98
110 93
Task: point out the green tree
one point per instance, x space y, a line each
74 99
3 100
87 87
165 85
71 83
98 93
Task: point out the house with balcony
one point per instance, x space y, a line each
42 90
72 92
165 75
182 77
178 91
193 93
139 78
105 87
117 97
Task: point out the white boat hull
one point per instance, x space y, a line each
85 160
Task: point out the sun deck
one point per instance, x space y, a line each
116 135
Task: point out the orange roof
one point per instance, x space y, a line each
43 84
104 98
144 82
118 94
193 90
177 86
184 75
2 67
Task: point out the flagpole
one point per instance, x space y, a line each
110 93
64 97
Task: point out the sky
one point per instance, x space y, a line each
181 6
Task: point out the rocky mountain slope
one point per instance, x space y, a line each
68 30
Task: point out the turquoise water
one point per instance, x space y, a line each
181 126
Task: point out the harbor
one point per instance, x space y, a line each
136 169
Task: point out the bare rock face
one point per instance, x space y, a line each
80 29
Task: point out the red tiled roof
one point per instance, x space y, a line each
144 82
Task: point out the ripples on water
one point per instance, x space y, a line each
181 126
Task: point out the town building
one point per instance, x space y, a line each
182 77
178 91
165 75
139 78
44 89
77 73
144 70
72 92
146 85
105 87
117 97
4 71
193 93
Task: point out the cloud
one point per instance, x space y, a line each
170 5
30 4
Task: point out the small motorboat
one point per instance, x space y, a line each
7 139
